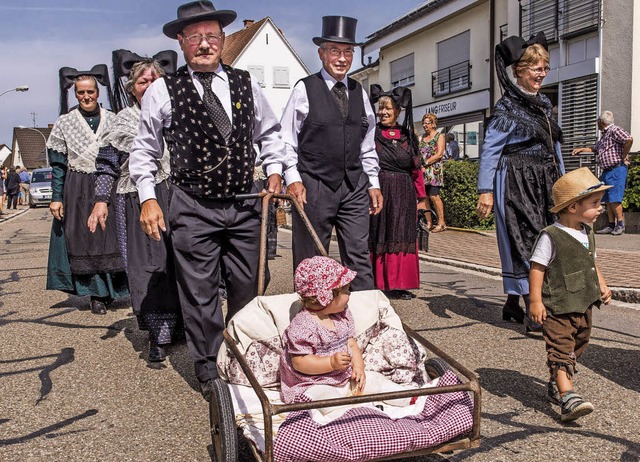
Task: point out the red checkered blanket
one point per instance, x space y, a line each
363 433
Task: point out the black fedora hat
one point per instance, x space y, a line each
339 29
193 12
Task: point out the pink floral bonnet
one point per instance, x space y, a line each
318 276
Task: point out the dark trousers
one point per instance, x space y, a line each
566 337
348 210
206 233
12 200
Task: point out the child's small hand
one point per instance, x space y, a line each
605 292
537 312
358 380
340 361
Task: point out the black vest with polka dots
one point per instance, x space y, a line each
202 163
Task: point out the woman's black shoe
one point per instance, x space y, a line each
157 354
514 312
404 294
98 307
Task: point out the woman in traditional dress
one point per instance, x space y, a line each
519 162
81 263
392 233
152 281
432 147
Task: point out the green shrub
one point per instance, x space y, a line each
631 200
460 195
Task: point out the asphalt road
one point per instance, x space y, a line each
76 387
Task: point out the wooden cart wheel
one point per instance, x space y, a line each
222 423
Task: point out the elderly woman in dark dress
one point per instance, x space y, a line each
149 263
81 263
392 233
519 163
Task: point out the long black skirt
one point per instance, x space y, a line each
89 253
151 271
394 229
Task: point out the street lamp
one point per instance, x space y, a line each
20 88
43 137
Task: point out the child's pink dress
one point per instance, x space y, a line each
306 336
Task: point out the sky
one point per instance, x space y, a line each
38 37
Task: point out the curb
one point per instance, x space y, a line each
621 294
8 217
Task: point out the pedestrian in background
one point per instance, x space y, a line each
520 161
612 156
25 180
12 185
432 147
3 189
452 150
566 283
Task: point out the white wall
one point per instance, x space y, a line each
269 50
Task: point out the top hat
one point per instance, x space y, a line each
512 48
338 29
574 186
193 12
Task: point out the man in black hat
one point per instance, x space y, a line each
328 128
210 115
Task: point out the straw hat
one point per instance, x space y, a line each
574 186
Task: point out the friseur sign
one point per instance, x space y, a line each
471 102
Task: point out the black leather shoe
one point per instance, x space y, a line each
512 312
531 326
157 354
98 307
404 294
206 388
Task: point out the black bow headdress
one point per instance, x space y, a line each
402 97
124 60
508 52
68 76
512 48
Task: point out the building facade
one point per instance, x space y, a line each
443 50
262 49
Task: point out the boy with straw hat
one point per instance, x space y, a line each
566 283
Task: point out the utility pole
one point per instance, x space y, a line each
33 117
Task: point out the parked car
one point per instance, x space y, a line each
40 188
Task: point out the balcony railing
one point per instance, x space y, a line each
451 79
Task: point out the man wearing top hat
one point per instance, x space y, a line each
328 128
210 115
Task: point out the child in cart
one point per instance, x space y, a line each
320 357
318 346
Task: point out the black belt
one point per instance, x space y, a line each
608 169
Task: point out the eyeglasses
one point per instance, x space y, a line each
539 70
335 52
196 39
427 123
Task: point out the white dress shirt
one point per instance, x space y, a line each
148 145
293 119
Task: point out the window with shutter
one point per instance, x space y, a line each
402 71
281 77
257 72
579 119
453 65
